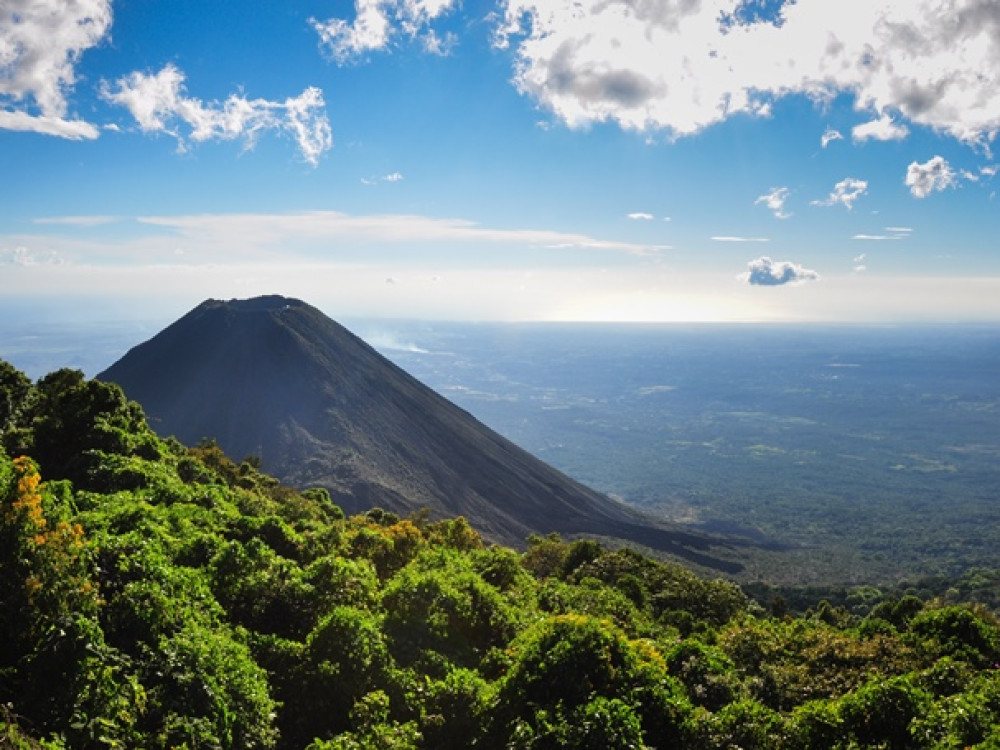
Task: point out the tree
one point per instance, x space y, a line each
75 420
15 395
566 662
879 713
442 608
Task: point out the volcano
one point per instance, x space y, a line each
275 378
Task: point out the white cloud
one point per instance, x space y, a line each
899 230
640 216
766 272
933 175
730 238
882 129
376 22
775 201
676 65
845 193
41 42
75 130
160 104
829 136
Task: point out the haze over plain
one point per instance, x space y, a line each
511 160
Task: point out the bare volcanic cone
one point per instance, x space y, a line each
276 378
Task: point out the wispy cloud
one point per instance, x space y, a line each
40 45
766 272
731 238
391 177
640 216
893 233
76 221
160 104
682 66
829 136
377 22
274 230
933 175
844 193
775 201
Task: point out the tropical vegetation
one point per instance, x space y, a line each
156 595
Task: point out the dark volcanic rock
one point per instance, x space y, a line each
276 378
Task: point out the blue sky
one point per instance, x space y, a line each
823 160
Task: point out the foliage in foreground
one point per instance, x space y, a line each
158 596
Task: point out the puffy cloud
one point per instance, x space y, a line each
934 174
829 136
766 272
640 216
882 129
41 42
683 65
775 201
159 103
377 21
845 192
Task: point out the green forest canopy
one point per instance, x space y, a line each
161 596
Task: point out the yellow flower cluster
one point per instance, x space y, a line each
29 501
55 548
